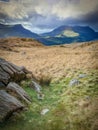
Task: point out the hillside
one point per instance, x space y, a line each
15 31
11 43
70 34
54 60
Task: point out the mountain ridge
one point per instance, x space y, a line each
70 34
15 30
64 27
61 35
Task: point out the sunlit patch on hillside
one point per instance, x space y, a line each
68 33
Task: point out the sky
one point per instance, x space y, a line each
41 16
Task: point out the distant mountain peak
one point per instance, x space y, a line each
16 31
69 34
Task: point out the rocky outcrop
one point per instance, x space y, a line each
8 105
10 72
15 89
12 94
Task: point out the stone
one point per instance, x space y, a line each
35 86
40 96
82 75
74 82
2 85
8 105
18 91
44 111
4 76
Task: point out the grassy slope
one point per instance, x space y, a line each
71 108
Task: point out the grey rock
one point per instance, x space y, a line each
2 84
44 111
82 75
35 86
19 91
40 96
74 82
8 105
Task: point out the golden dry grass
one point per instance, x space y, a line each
49 60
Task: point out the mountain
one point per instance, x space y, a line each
15 31
60 35
69 34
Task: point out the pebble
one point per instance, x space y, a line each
74 82
44 111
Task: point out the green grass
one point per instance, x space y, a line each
70 108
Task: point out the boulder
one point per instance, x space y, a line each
15 89
11 102
8 105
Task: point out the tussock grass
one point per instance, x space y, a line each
45 80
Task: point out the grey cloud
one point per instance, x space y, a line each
91 17
48 14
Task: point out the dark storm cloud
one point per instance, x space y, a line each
91 17
48 14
